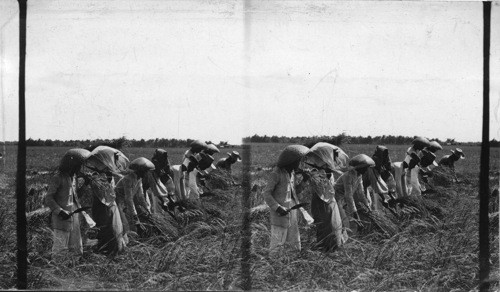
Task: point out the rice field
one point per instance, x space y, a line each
427 252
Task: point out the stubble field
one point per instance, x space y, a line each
204 252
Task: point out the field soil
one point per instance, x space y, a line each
434 245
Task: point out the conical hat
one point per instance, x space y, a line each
212 149
141 164
420 142
198 145
434 146
360 161
291 154
74 157
106 158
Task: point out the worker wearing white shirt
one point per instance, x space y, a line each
410 165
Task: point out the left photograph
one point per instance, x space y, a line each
134 118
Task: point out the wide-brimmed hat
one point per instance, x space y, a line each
235 155
361 161
458 152
327 155
106 158
141 164
211 149
420 142
206 161
198 146
74 158
291 154
428 158
434 146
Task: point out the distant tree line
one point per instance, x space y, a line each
346 139
181 143
116 143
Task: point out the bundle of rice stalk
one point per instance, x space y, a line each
260 213
442 176
35 198
379 222
219 179
159 225
188 211
97 181
38 218
412 206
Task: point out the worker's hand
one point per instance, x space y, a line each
64 215
357 220
140 227
281 211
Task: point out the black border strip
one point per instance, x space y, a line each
22 250
484 244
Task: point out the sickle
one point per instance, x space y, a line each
297 206
79 210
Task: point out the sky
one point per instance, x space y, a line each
223 70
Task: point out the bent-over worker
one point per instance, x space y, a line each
280 195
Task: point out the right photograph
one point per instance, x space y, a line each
366 125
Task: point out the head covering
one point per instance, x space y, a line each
381 156
141 164
434 146
420 142
428 158
326 155
211 149
361 161
73 158
381 151
198 146
160 158
105 158
235 155
291 154
458 152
